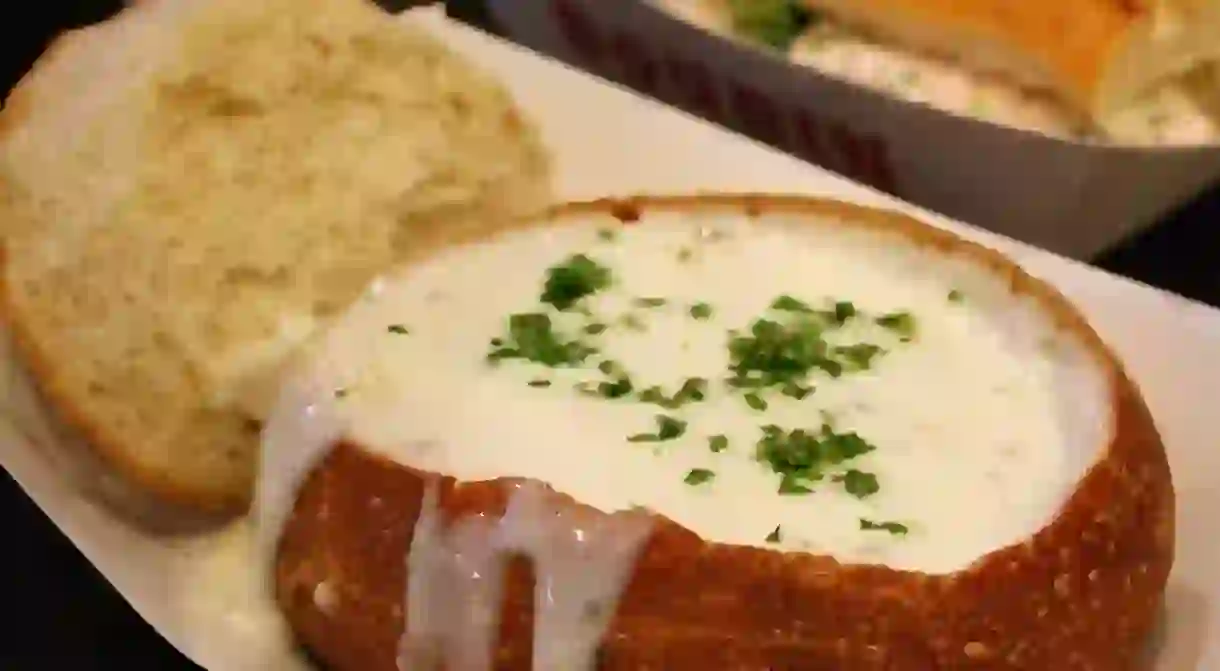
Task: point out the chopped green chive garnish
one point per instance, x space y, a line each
531 337
955 296
698 476
654 395
398 329
572 280
650 302
892 527
844 310
539 383
776 353
755 401
596 328
685 254
901 323
796 390
791 484
693 390
773 23
668 428
616 388
787 303
701 311
718 443
632 322
802 457
607 234
859 484
775 535
860 355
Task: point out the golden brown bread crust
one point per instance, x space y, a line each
1082 593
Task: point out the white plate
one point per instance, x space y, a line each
607 141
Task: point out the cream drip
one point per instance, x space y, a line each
456 580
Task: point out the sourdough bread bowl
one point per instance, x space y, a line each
188 189
741 432
1099 70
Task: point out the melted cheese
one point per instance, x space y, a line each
982 424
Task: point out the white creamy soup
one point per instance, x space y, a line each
806 388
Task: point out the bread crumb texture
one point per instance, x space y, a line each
188 189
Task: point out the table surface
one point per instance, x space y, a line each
70 617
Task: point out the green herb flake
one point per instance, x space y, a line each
595 328
685 254
650 302
341 392
577 277
718 443
775 536
843 311
632 322
539 384
859 356
532 337
787 303
607 234
701 311
692 389
796 390
654 395
619 387
801 456
777 353
773 23
755 401
398 329
859 484
955 296
792 484
892 527
900 323
668 428
699 476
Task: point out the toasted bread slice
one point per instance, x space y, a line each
189 188
963 478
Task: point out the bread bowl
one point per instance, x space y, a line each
1038 536
1124 72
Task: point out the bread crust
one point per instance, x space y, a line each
1081 593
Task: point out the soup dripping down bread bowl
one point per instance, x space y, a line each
736 431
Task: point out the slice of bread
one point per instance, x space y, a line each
187 189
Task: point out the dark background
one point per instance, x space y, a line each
61 614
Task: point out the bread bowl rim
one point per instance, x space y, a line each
1133 466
